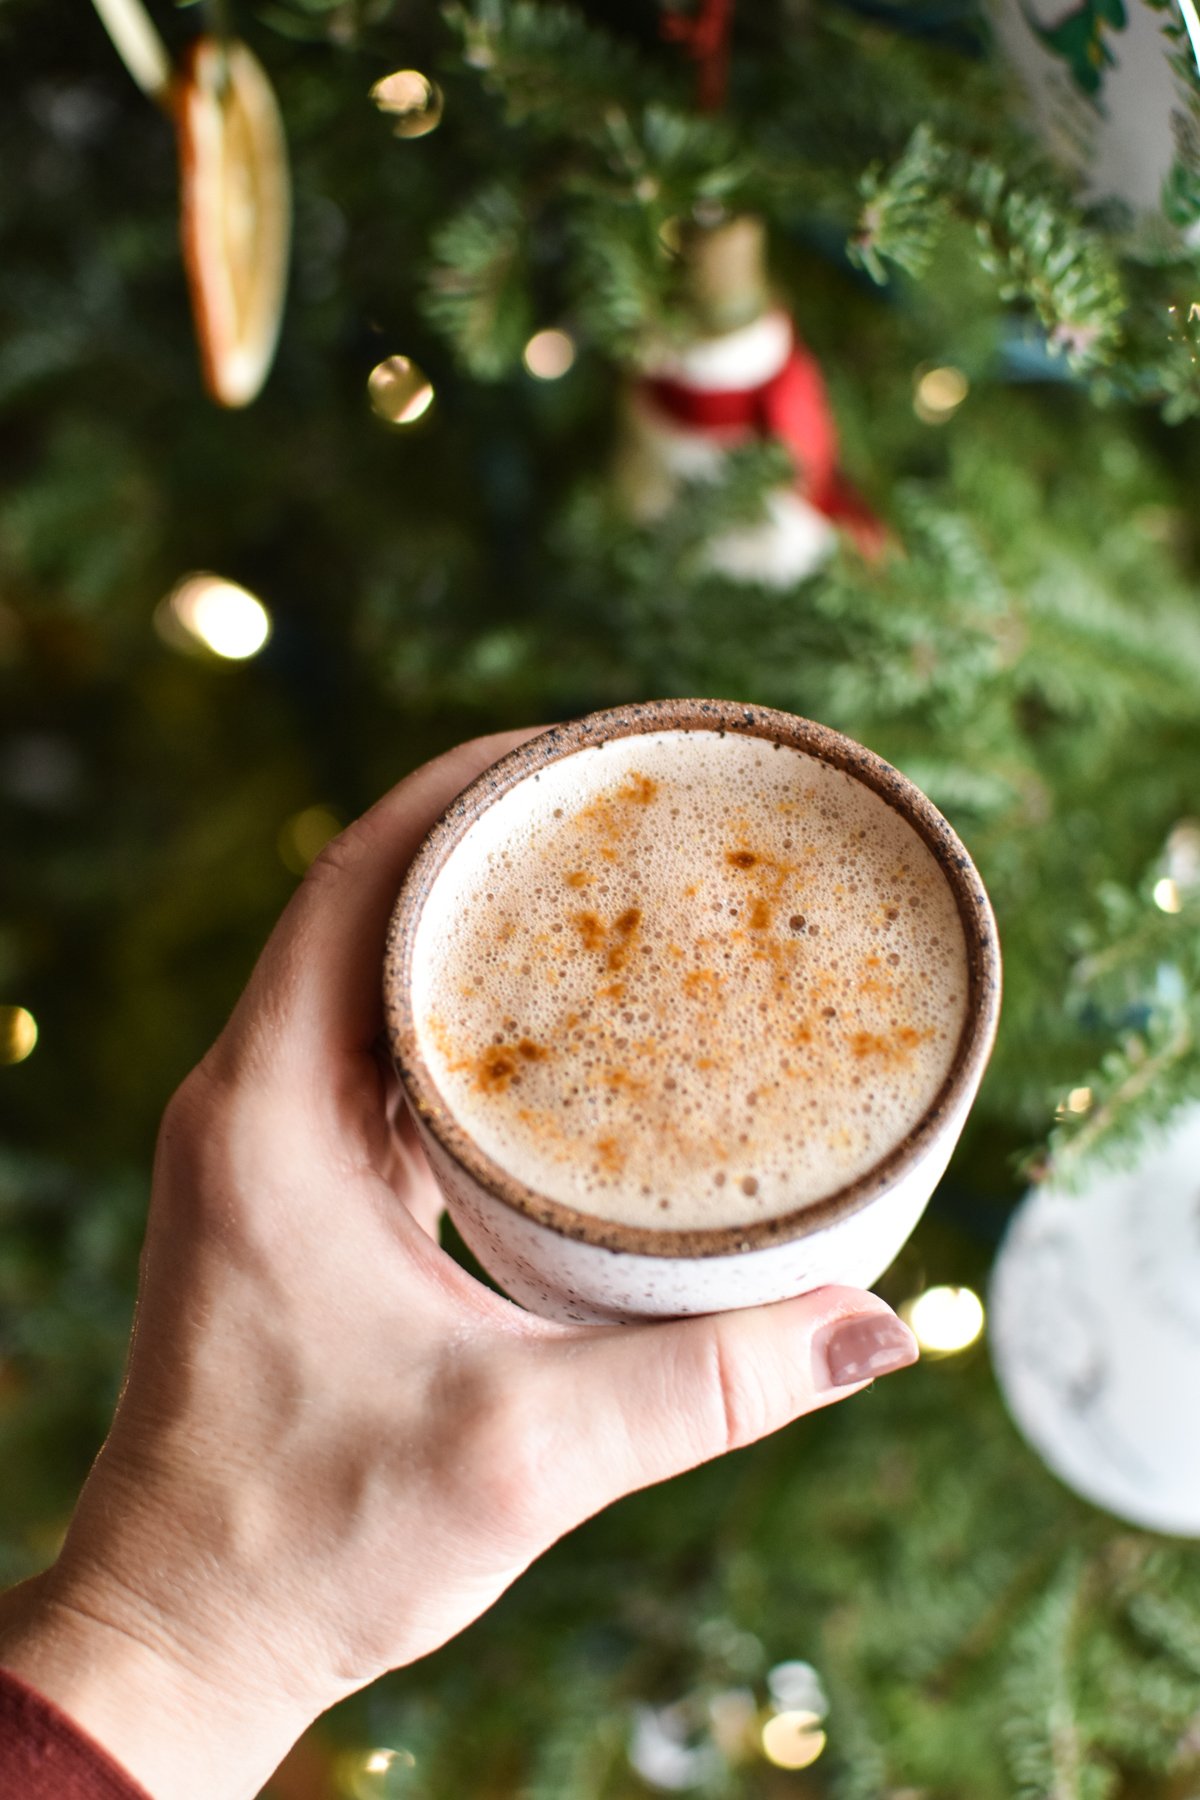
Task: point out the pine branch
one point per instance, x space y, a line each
904 212
554 70
1047 1743
1138 1084
1037 250
478 287
1169 1624
1141 968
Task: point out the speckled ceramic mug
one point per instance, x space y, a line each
568 1264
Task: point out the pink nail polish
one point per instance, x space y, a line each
859 1349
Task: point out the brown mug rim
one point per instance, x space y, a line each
643 719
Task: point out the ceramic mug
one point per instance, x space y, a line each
568 1264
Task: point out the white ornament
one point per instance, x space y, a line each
1095 1332
1109 96
666 1751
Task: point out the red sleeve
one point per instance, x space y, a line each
45 1756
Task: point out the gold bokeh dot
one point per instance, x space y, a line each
549 354
18 1034
399 391
793 1740
938 394
208 612
372 1774
944 1320
1167 897
413 102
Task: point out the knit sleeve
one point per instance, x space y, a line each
44 1755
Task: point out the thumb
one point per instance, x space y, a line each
645 1402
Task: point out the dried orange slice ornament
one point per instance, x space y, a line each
235 213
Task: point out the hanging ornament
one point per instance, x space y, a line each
235 202
748 375
1095 1331
236 213
412 102
1112 88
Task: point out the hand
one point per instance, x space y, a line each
334 1448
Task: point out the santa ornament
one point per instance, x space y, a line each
748 376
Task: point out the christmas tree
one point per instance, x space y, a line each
484 484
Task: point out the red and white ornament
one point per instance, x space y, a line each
695 405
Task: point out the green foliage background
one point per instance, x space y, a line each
1032 660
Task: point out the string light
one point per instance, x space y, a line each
549 354
938 394
303 837
793 1740
413 102
1167 896
944 1320
18 1034
400 392
208 612
366 1777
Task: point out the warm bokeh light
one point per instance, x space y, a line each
369 1775
305 835
793 1740
944 1320
549 354
399 391
214 614
938 394
18 1033
1167 896
411 101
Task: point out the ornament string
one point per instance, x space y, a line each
704 36
217 14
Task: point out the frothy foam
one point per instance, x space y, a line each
689 979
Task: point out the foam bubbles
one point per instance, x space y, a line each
689 979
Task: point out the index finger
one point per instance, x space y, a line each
315 992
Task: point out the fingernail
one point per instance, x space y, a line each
859 1349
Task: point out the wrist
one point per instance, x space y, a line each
178 1732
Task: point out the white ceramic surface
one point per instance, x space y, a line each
1095 1332
561 1278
